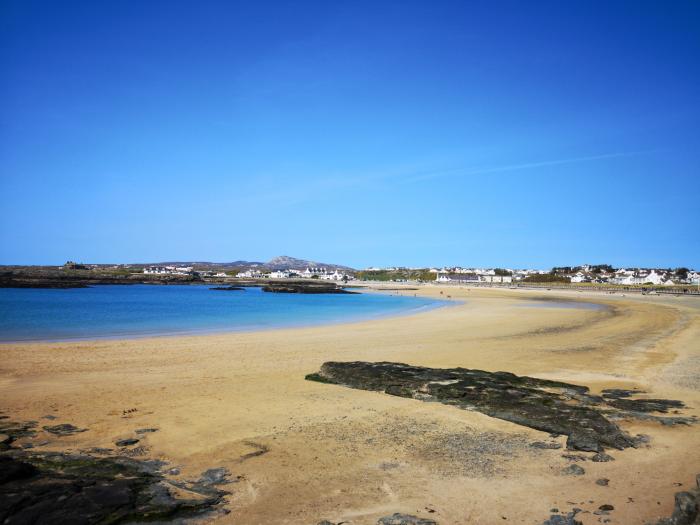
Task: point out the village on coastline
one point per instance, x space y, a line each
603 274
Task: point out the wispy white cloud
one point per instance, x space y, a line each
520 166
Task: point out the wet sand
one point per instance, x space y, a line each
304 451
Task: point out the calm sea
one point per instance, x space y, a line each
143 310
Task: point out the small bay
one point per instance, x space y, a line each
115 311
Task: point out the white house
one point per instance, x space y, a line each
654 278
311 272
281 274
457 278
491 278
250 274
337 275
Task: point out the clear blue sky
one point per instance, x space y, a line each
517 134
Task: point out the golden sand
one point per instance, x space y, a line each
305 451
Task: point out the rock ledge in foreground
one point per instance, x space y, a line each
549 406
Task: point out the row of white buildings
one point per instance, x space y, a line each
581 274
180 270
308 273
168 270
472 278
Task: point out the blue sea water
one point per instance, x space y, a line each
141 310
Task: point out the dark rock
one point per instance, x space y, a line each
81 489
100 450
49 417
404 519
574 457
65 429
126 442
305 287
12 470
606 507
603 482
545 445
536 403
573 470
602 457
558 519
227 288
617 393
215 476
146 430
646 405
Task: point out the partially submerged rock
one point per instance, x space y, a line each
550 406
305 287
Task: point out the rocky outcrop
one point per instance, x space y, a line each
304 287
62 488
52 487
550 406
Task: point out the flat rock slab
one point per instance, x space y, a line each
550 406
65 429
126 442
146 430
215 476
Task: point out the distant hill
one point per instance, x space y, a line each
200 264
284 262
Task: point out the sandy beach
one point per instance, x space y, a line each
301 452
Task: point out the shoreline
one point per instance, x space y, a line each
331 452
437 303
